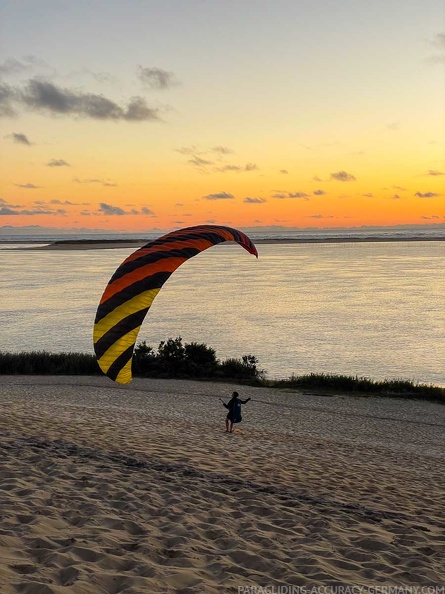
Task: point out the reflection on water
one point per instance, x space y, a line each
373 309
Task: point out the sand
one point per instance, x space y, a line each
108 489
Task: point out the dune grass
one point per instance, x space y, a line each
361 386
173 359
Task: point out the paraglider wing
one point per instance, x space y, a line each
133 287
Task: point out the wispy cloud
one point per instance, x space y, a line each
19 138
222 150
438 44
38 211
8 96
156 78
283 171
95 180
342 176
12 66
319 193
44 96
39 208
109 209
249 200
27 186
199 162
58 163
435 173
237 168
426 195
68 202
219 196
189 150
284 195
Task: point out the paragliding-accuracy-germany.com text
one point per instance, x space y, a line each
340 589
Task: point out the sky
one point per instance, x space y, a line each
136 115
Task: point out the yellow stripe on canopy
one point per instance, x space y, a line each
137 303
118 347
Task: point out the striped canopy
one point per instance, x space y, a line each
133 287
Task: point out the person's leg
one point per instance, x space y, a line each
231 426
227 425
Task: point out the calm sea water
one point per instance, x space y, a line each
367 309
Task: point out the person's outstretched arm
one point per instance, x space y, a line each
245 401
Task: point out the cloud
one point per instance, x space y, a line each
219 196
393 126
27 186
6 210
19 138
58 163
368 195
7 97
12 66
284 171
319 193
222 150
439 40
9 211
55 201
198 162
284 195
108 209
438 43
42 95
254 200
156 78
316 178
434 172
320 216
342 176
395 197
298 195
188 150
40 209
237 168
94 180
426 195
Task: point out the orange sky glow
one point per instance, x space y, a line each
293 123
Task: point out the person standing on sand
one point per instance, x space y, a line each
234 414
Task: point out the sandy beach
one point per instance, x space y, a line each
111 489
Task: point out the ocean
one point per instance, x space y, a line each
371 309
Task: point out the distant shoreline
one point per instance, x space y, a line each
89 244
